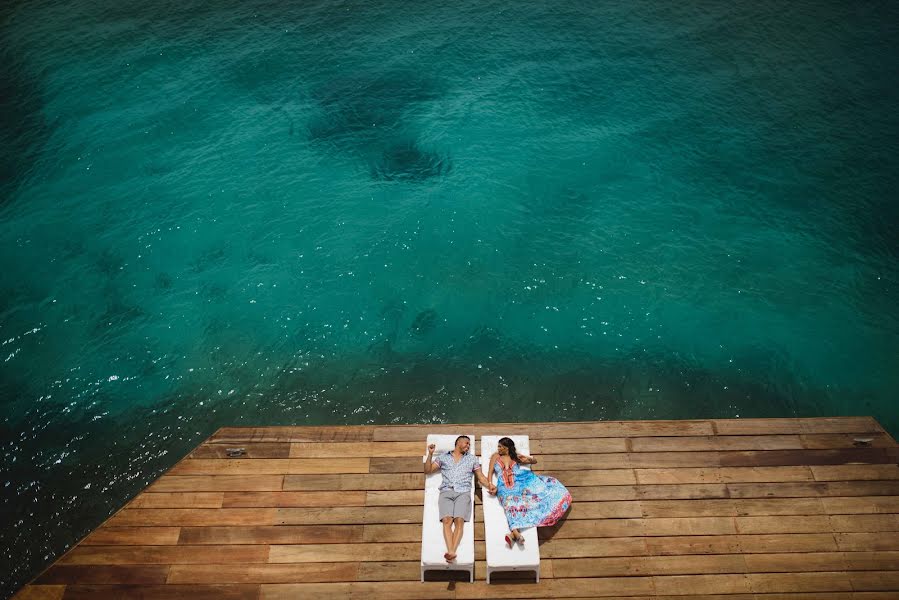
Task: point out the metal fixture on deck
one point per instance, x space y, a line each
235 452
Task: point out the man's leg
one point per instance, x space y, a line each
448 536
457 533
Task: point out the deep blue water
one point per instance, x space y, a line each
349 212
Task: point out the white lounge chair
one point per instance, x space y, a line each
433 546
499 556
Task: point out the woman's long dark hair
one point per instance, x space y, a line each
510 445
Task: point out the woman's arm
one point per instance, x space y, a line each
490 468
526 460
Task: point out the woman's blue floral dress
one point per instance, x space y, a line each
530 500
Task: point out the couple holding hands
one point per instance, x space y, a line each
529 500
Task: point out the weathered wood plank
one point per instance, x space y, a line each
795 562
872 561
796 426
163 555
716 442
104 574
862 523
687 508
607 587
162 592
293 499
391 571
349 515
855 472
773 458
158 517
779 506
861 504
867 542
701 584
807 524
271 466
591 547
656 460
133 536
178 500
345 552
778 543
40 592
382 590
281 534
809 489
769 583
254 450
264 573
217 483
246 435
648 565
685 491
552 446
845 440
369 481
539 431
394 498
599 477
692 545
887 581
341 450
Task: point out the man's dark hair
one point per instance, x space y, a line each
461 437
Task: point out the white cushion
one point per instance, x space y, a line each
495 523
433 546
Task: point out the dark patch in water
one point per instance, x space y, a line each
163 281
408 162
361 108
424 322
23 128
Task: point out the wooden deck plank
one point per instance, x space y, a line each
251 450
217 483
648 565
808 489
133 536
357 449
370 481
337 433
807 524
349 515
281 534
360 552
164 555
863 523
104 574
158 517
271 466
40 592
162 592
293 499
264 573
855 472
710 443
178 500
867 542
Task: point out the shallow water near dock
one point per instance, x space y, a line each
337 212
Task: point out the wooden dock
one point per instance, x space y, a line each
723 509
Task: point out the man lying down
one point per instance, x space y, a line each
456 467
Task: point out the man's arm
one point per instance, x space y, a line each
430 464
485 481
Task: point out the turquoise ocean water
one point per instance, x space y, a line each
347 212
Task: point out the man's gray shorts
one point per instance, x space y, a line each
455 504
